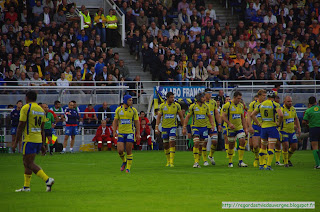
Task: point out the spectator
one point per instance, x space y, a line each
104 135
145 136
90 118
201 72
100 23
60 18
57 109
124 71
112 25
105 113
62 82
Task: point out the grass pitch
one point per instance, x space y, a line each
93 182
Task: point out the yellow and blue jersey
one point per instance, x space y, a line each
212 104
268 110
169 114
289 115
126 117
199 114
234 112
252 106
34 116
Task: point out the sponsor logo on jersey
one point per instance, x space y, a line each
196 109
169 116
288 121
200 116
236 116
121 112
125 121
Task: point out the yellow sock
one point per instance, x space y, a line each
129 161
42 175
123 157
204 154
270 156
196 154
167 153
172 153
285 157
226 146
230 154
277 154
290 153
200 153
262 155
212 150
246 141
241 152
27 179
256 153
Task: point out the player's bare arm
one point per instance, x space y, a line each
225 119
184 129
254 117
158 122
218 119
20 129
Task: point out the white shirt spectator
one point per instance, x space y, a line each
212 14
62 82
270 20
79 63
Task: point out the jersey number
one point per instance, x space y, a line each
266 113
37 121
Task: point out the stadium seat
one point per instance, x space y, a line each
113 109
3 106
64 107
82 107
300 105
96 108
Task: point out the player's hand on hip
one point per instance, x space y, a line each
184 131
212 128
251 130
246 131
232 126
299 132
219 128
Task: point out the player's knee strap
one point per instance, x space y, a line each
108 142
264 142
214 137
196 139
172 138
231 139
241 135
272 140
165 141
99 142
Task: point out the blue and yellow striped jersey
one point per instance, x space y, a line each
126 117
234 112
212 104
289 116
34 116
252 106
169 114
268 111
199 114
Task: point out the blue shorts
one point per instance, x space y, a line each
189 129
210 132
48 132
289 137
126 137
257 130
234 133
72 130
13 130
224 130
31 148
202 132
167 132
314 134
270 132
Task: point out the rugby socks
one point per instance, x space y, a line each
262 156
285 157
226 146
241 152
27 179
290 153
204 154
212 150
196 154
316 157
167 153
123 157
42 175
172 153
230 154
277 154
256 153
129 161
200 153
270 157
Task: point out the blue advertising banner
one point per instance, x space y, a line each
179 92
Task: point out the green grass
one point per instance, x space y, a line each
93 182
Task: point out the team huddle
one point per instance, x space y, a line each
266 125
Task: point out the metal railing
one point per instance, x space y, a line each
80 16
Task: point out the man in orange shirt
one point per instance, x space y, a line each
239 60
315 27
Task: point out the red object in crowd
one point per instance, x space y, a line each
145 118
104 135
88 115
145 135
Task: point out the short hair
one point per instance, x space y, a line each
256 96
89 105
237 93
208 89
312 100
32 96
19 101
262 91
73 101
156 110
169 94
56 102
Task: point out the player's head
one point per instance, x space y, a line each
19 104
74 103
312 100
271 94
45 107
228 99
57 104
237 96
31 96
288 101
103 123
127 99
262 94
90 106
255 97
156 111
170 97
277 99
71 105
208 94
200 97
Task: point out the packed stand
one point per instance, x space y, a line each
184 41
41 44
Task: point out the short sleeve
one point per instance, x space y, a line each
208 111
306 115
224 108
258 108
251 107
277 106
161 109
178 107
23 113
135 116
191 109
117 113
